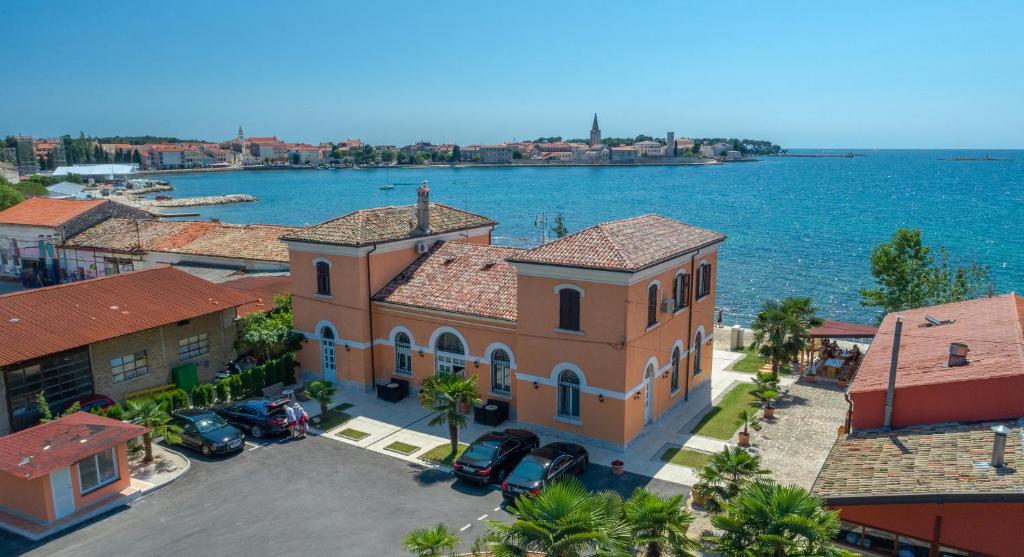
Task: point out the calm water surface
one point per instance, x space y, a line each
795 226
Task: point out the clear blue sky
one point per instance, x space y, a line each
891 74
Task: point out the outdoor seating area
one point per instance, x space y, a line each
393 390
492 413
826 358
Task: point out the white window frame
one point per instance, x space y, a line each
502 369
573 412
100 482
403 355
189 349
120 367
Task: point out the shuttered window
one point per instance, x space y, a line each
568 309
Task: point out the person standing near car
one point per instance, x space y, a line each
301 420
289 414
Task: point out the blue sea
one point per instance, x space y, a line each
795 226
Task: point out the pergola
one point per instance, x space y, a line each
837 329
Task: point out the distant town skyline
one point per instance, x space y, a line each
906 75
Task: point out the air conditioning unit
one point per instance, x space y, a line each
422 247
667 305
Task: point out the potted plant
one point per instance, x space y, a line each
699 495
618 467
748 420
766 392
810 376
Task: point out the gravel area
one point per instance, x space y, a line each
795 443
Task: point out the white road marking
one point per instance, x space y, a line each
466 527
481 517
496 509
253 446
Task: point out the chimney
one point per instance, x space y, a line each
423 209
999 445
890 392
957 354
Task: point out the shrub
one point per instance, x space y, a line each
178 399
204 395
223 390
116 412
236 387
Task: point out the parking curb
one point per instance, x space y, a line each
188 466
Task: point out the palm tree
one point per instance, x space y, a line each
773 328
430 542
726 473
772 520
442 394
748 420
806 315
563 520
321 391
148 413
766 390
659 524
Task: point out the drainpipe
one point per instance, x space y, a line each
689 327
369 317
891 390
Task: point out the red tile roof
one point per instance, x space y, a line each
38 450
259 242
991 328
386 224
626 245
839 329
460 278
35 323
43 211
265 288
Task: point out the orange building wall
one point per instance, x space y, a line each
123 481
988 528
31 497
991 399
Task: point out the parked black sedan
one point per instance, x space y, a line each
258 416
494 454
205 431
543 466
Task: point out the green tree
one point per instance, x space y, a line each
748 420
9 196
46 415
908 276
769 520
322 392
563 520
726 473
658 524
430 542
264 333
559 228
388 156
782 329
153 415
443 394
456 153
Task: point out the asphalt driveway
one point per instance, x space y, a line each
315 496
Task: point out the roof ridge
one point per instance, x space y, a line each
616 248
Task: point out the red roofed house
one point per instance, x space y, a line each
935 466
598 334
31 231
114 336
58 474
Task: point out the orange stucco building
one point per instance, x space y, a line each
597 334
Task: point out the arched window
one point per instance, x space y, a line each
449 354
323 278
703 280
501 372
652 305
569 309
568 394
675 369
681 291
327 353
698 346
403 354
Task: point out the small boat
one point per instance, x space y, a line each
388 187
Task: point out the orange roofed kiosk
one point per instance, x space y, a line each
60 473
597 334
934 466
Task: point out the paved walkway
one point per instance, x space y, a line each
386 423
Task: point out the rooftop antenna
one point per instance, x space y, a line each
541 223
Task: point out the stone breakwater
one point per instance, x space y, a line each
148 189
201 201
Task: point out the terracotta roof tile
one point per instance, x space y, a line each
991 328
47 447
460 278
241 241
625 245
265 288
43 211
921 460
35 323
386 224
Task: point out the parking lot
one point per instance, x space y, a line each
316 496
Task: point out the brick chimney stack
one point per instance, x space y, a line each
423 209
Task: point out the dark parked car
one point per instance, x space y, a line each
205 431
543 466
493 455
259 416
91 402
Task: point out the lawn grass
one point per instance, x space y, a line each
402 448
720 422
751 362
335 417
353 434
442 454
686 457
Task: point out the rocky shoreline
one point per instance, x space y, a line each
200 201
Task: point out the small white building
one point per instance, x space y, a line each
495 154
66 190
623 154
100 172
648 148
